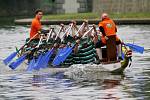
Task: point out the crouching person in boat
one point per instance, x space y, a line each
108 29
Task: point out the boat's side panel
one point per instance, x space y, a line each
112 66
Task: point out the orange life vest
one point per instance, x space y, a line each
35 27
108 26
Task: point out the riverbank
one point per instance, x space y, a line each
125 21
93 18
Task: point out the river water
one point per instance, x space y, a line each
21 85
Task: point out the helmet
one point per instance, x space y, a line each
104 15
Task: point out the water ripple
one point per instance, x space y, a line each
20 85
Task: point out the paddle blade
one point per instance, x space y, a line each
61 57
31 65
136 48
37 65
9 58
47 58
15 64
56 60
122 55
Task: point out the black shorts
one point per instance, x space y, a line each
99 44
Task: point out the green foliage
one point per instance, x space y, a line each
75 16
71 16
130 15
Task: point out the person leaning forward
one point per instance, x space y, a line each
108 28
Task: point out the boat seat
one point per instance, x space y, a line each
111 48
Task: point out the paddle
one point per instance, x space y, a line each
37 64
48 54
61 50
13 55
13 65
65 52
136 48
49 34
67 31
62 55
17 62
46 58
31 65
41 62
43 59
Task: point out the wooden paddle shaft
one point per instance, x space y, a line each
28 41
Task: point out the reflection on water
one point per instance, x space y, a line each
20 85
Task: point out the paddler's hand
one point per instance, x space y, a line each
106 38
77 41
74 22
62 24
85 20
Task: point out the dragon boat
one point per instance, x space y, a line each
86 56
53 53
